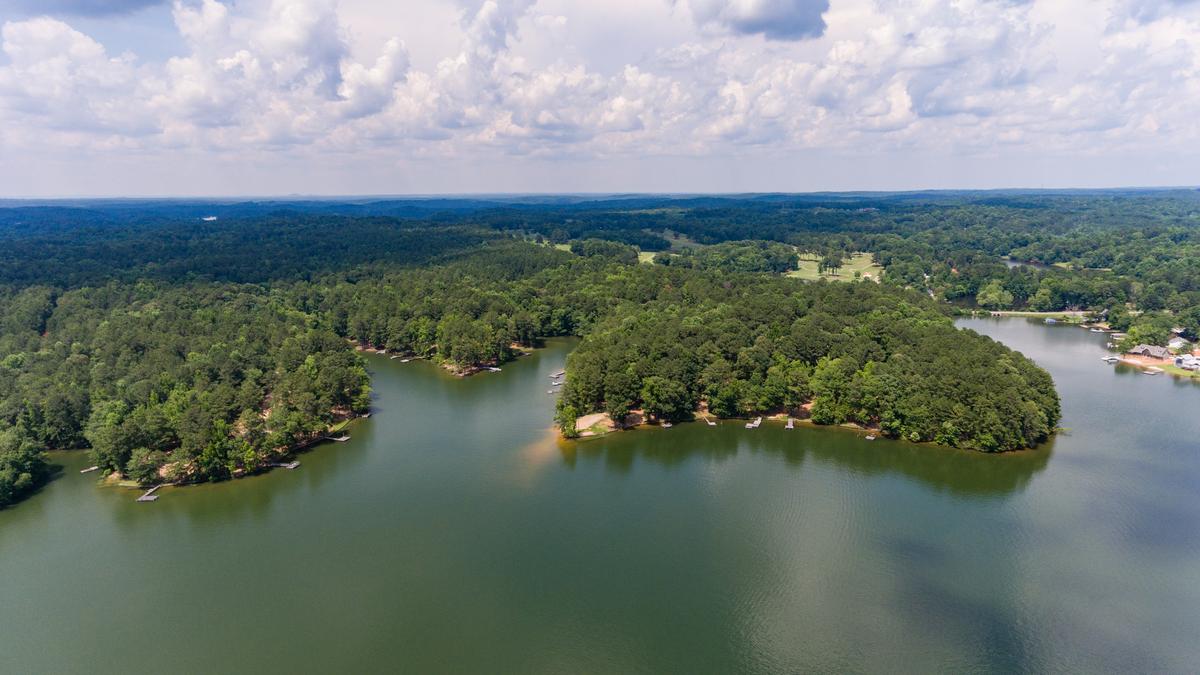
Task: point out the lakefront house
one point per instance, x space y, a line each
1152 351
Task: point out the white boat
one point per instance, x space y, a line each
494 369
871 437
667 425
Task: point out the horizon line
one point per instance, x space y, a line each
597 194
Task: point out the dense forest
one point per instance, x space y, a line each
163 383
189 341
860 353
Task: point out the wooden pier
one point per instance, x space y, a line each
791 424
149 496
338 439
286 465
90 469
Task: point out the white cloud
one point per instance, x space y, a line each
536 79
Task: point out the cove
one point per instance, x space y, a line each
455 533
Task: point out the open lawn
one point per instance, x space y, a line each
1062 317
646 256
859 262
679 241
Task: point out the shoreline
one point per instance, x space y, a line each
275 460
454 369
806 423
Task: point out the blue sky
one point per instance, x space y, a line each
262 97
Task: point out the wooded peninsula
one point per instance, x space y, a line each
178 348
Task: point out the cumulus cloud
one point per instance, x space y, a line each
847 76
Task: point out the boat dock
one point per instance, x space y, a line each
558 374
149 496
286 465
755 424
89 469
708 421
338 439
791 424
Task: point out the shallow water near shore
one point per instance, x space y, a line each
455 533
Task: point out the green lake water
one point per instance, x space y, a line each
454 534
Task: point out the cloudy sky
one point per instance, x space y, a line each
265 97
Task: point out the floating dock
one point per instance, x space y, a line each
338 439
149 496
556 375
90 469
286 465
790 424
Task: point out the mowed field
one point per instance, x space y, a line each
859 262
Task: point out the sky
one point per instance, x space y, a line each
348 97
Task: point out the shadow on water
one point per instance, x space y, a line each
252 498
54 473
959 472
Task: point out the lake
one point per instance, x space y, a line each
454 533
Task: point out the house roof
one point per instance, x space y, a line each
1151 350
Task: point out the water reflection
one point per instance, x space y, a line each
958 472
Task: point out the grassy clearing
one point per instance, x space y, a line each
646 257
1172 369
859 262
679 241
1064 317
